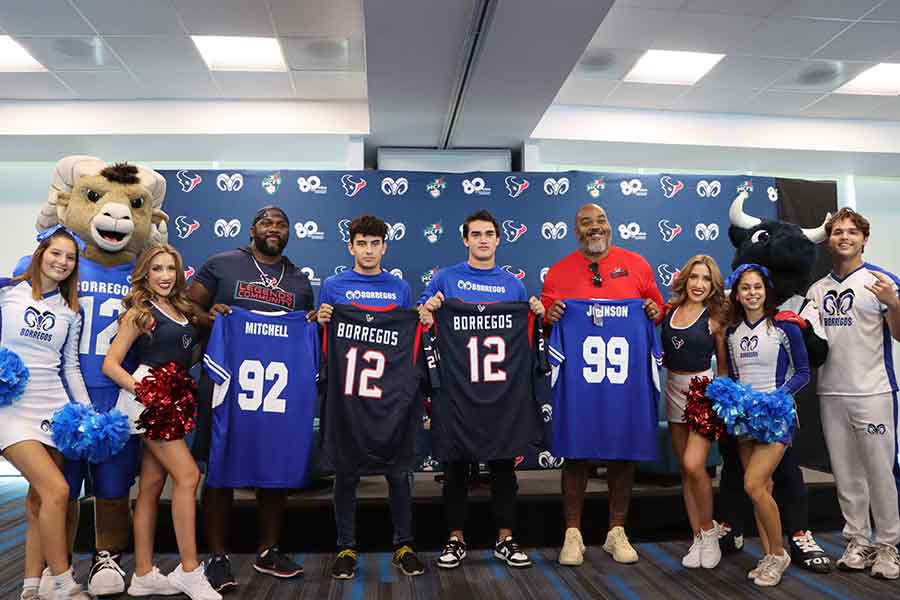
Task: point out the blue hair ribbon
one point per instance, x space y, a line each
43 235
736 274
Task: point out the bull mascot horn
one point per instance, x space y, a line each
742 220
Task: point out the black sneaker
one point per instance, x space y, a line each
106 577
508 551
454 553
344 566
272 561
218 573
729 541
406 560
807 554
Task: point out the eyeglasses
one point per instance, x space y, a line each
596 279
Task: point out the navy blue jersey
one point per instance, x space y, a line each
489 359
374 369
605 359
264 367
466 283
381 290
170 340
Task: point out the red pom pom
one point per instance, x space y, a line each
698 412
168 393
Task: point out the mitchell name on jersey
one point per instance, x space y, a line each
267 329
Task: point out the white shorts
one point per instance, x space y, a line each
676 386
29 417
129 404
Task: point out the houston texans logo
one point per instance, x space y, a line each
518 274
873 429
352 186
480 308
186 341
512 231
666 275
668 230
188 180
43 321
749 344
669 187
677 342
835 303
344 229
518 461
185 228
369 318
516 187
189 272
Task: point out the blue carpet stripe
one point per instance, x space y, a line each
660 556
618 584
562 590
385 568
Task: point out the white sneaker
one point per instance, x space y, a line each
618 545
770 574
710 553
887 562
691 560
572 552
856 557
29 593
106 577
75 593
193 583
153 583
45 589
760 565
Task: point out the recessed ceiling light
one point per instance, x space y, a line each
15 58
669 67
881 80
235 53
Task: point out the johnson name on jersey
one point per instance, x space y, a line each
605 381
264 366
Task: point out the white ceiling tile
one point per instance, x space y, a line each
846 106
32 86
586 91
608 63
331 53
323 85
71 53
889 111
157 84
155 17
645 95
631 28
864 41
101 84
41 17
225 17
830 9
746 72
789 38
819 76
756 8
780 103
889 11
318 17
165 53
724 100
705 32
237 84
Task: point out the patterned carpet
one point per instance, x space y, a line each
659 574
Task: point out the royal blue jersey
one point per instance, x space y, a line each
264 367
605 358
464 282
383 290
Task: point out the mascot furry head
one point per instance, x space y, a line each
115 209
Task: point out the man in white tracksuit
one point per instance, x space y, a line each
860 311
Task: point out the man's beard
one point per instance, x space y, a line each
263 246
595 247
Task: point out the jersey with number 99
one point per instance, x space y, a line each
604 356
264 366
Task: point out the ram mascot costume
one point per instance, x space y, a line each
116 210
789 252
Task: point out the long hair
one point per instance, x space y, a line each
736 310
141 296
715 301
68 287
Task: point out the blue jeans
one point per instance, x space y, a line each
400 500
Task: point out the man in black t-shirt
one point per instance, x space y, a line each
255 277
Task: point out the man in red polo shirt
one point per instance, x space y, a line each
597 269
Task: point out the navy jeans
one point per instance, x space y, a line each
400 500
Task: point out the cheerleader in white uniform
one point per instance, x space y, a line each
40 321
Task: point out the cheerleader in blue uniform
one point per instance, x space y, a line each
157 326
40 322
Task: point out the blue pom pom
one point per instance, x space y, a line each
730 403
771 416
67 431
13 377
105 434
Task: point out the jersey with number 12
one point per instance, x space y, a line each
264 366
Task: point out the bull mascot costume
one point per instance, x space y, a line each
116 210
790 253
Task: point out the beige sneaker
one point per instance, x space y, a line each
771 572
887 562
572 553
760 564
618 545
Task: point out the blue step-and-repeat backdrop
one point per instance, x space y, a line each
666 218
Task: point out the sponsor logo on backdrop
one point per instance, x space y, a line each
517 273
227 229
512 232
556 187
230 183
352 185
595 187
397 273
433 232
311 184
669 186
548 461
308 230
429 464
340 269
666 274
396 231
515 186
554 231
706 233
271 183
772 193
632 187
188 180
632 231
189 272
436 187
745 186
344 230
547 412
311 273
544 271
668 230
184 227
476 185
708 189
428 275
394 187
